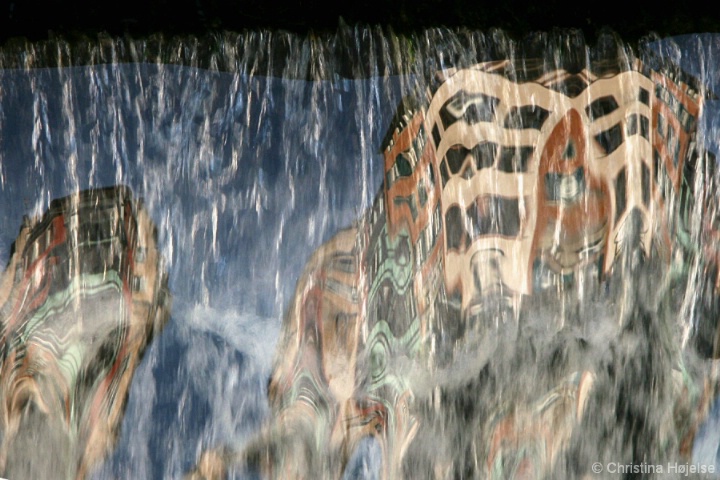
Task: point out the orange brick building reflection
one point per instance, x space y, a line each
82 296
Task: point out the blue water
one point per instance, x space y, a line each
244 176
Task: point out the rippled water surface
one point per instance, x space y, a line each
251 153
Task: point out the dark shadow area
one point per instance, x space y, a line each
44 19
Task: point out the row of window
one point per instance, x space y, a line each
606 105
469 107
638 124
610 139
516 159
672 141
377 212
601 107
473 108
621 189
488 215
402 167
379 254
493 215
511 159
425 243
399 200
406 161
428 237
342 289
343 263
38 247
481 108
662 178
686 120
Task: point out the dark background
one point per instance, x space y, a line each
46 19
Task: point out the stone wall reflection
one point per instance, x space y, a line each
83 294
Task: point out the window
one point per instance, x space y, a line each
431 174
455 157
644 127
491 215
514 159
436 136
410 202
470 107
656 165
631 128
661 125
343 263
673 144
638 124
645 183
620 193
601 107
403 167
527 116
686 120
422 193
610 139
488 215
418 143
456 236
444 173
484 155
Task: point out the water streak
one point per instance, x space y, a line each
492 258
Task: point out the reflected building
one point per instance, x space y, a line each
83 294
505 181
546 175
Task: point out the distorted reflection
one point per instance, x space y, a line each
450 322
82 296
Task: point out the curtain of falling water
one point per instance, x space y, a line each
250 151
246 165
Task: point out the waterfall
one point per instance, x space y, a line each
359 255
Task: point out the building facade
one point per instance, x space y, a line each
82 296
